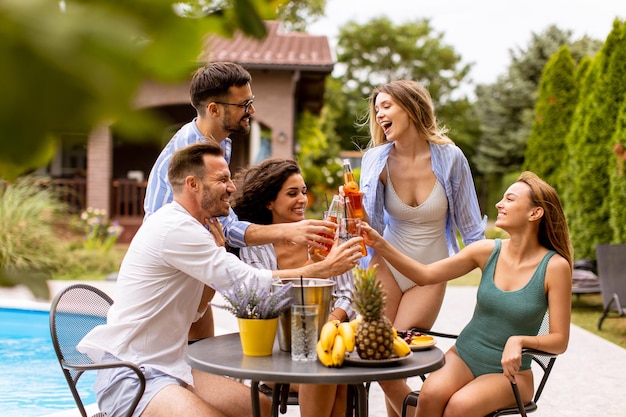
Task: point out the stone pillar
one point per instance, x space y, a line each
100 168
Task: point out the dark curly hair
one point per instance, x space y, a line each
258 186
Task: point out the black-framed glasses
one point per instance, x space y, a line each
246 106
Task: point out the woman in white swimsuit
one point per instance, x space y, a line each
418 191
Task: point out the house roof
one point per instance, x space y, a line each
278 50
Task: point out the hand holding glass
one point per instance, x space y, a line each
326 249
349 228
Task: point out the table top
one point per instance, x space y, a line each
222 355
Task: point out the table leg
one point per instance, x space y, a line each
254 396
361 400
284 397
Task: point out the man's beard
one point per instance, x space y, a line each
212 204
236 128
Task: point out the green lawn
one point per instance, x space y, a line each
586 311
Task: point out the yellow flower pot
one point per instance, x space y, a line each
257 336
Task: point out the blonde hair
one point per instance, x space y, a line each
553 230
417 102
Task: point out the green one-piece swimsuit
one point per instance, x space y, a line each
499 315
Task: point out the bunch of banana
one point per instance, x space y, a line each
400 346
335 340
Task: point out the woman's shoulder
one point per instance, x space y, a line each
483 245
558 274
558 262
480 250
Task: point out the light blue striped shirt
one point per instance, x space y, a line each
159 190
451 169
264 257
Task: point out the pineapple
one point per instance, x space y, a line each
374 334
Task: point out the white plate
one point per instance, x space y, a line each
423 346
353 358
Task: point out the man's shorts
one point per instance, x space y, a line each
116 388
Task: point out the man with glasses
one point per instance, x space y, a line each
221 94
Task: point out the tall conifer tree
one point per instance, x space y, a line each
589 222
554 109
617 180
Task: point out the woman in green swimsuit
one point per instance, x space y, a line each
522 278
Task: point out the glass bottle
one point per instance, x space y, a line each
351 190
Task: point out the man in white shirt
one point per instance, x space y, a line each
168 263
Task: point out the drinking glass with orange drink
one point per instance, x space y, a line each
350 227
333 214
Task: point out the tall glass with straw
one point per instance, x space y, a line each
304 329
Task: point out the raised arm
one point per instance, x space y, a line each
471 257
304 232
341 258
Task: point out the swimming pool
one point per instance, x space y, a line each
31 381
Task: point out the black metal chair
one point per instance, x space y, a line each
545 361
73 313
282 397
612 280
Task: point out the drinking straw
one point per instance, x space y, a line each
306 348
326 199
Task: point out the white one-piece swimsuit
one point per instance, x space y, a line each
418 232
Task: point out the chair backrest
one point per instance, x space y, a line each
545 362
611 271
73 313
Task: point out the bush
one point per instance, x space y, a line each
30 250
38 241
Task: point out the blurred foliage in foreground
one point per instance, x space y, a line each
71 65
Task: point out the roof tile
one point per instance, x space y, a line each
293 50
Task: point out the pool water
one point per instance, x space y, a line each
31 380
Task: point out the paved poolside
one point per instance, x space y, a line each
588 380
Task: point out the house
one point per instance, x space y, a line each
288 76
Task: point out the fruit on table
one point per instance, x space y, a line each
374 334
324 356
413 337
335 340
421 340
346 332
355 322
339 351
400 347
328 333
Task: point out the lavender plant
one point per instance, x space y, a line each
250 301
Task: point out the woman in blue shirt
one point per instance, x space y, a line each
418 191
